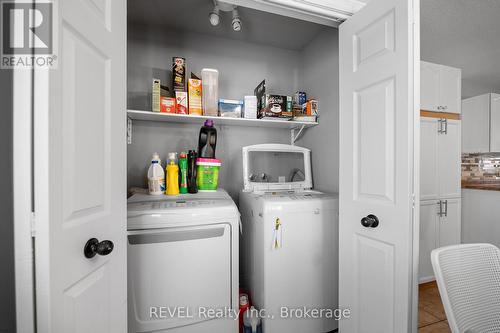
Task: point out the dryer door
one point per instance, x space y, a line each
173 273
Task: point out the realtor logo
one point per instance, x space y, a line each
28 34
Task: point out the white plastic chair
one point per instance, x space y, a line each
468 278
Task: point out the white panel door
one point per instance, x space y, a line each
379 111
450 89
495 123
80 172
429 158
429 86
450 223
428 238
449 160
476 124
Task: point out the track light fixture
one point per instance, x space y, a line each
236 22
215 14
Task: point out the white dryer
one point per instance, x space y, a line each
182 263
289 247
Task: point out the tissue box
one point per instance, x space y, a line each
250 107
230 108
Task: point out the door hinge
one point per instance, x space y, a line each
33 224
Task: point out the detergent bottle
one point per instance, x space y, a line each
183 167
172 175
156 176
207 140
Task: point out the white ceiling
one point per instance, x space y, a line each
192 16
463 34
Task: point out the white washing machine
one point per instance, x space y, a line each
289 247
182 263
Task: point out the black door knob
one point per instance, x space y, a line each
93 247
370 221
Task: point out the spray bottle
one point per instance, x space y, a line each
183 166
172 175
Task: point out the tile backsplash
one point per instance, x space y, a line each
481 167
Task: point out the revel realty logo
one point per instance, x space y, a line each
28 34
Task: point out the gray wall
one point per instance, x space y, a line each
7 282
242 66
321 76
164 137
150 52
471 88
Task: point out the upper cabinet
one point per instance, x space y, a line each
429 86
450 89
481 124
440 88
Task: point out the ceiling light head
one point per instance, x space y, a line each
236 22
214 16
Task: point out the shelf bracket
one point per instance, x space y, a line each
294 137
129 130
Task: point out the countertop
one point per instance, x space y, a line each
487 186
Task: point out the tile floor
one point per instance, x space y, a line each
431 316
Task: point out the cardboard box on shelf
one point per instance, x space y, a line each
271 105
155 95
168 105
195 94
181 100
312 108
230 108
250 107
179 74
299 98
276 106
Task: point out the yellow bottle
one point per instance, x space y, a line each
172 175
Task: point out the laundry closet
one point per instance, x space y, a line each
291 55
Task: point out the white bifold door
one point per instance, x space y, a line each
80 173
379 121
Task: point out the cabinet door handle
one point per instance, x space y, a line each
440 203
445 121
446 208
440 126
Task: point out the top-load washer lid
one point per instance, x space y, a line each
149 211
276 167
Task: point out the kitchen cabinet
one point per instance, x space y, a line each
440 88
495 123
480 213
450 223
481 124
440 188
429 86
429 219
440 158
440 225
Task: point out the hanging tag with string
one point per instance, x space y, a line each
277 235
